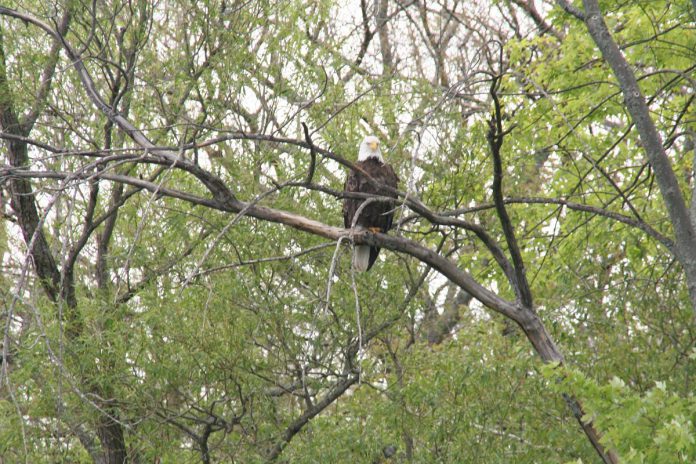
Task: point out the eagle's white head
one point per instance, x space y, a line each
369 148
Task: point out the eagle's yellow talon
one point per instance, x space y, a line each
374 230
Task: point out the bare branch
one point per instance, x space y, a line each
312 154
495 140
298 222
622 218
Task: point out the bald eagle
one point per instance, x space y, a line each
376 216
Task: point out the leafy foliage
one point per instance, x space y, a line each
198 332
650 427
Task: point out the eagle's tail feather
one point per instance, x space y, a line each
361 258
374 251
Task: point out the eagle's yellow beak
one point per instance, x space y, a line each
373 146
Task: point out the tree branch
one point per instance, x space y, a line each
30 118
622 218
528 7
495 138
312 154
298 222
318 407
571 9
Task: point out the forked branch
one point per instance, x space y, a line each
495 138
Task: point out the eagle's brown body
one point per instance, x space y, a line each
377 214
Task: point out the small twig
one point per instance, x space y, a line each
263 260
332 270
357 319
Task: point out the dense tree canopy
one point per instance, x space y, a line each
177 286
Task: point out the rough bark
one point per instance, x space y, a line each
437 327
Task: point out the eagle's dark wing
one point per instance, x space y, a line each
378 215
351 205
389 178
375 214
